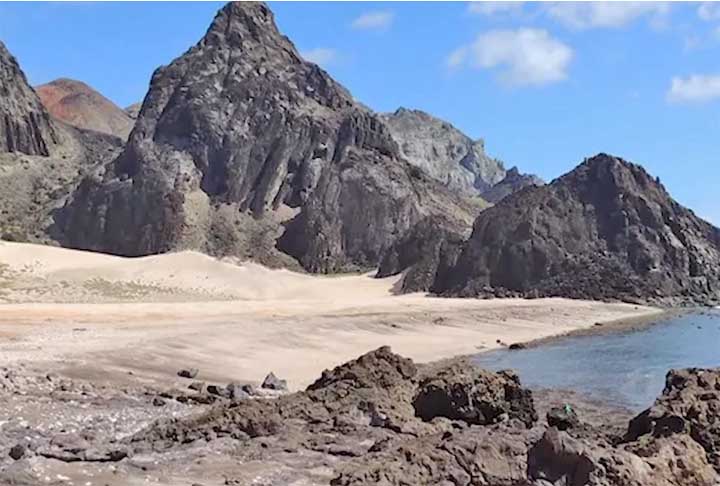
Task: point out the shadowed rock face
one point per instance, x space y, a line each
76 103
425 252
606 230
24 124
241 126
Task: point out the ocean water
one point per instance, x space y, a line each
626 368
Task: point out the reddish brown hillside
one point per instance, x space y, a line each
76 103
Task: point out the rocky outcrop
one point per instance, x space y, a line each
79 105
443 151
41 159
385 420
475 397
424 253
689 404
24 124
241 128
606 230
513 182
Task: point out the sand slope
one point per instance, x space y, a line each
98 316
36 273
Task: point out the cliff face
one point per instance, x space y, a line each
76 103
443 151
606 230
240 134
24 124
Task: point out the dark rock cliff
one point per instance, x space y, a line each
24 124
240 135
606 230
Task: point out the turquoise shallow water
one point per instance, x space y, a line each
626 368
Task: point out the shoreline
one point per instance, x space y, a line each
615 326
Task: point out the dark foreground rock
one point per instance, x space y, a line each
387 421
606 230
380 419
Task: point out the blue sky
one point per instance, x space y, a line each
544 84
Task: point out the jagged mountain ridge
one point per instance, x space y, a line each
606 230
77 104
453 158
240 134
443 151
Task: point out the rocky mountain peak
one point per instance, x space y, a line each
24 124
240 139
249 27
606 230
443 151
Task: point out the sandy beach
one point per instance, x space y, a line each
103 317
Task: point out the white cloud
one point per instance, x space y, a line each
525 56
374 20
492 8
698 88
589 15
320 55
709 11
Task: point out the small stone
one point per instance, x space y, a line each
563 418
517 346
17 452
158 402
272 382
188 373
236 392
197 386
217 390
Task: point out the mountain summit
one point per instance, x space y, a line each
80 105
240 139
606 230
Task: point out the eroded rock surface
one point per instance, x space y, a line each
25 126
380 419
443 151
240 135
606 230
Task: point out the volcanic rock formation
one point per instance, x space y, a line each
24 125
606 230
77 104
41 159
385 420
443 151
239 135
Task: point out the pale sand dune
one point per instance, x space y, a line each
241 321
37 273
